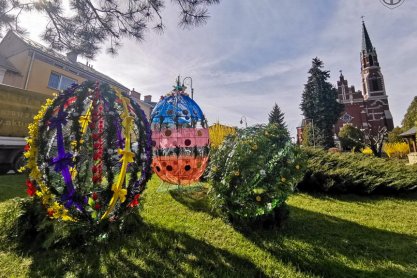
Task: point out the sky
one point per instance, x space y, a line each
254 53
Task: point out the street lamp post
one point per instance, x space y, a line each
243 119
191 84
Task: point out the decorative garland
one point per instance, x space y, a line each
78 144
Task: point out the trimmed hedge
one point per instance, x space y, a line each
356 173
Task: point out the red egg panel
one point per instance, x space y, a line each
182 170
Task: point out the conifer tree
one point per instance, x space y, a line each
277 117
319 103
88 24
410 117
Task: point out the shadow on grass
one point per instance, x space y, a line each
11 186
324 245
148 252
362 198
196 200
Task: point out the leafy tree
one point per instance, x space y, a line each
393 135
375 141
351 138
277 117
91 23
410 116
311 138
319 103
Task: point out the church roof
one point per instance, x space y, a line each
366 41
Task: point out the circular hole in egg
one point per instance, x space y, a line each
187 142
158 168
169 168
168 132
199 133
185 112
187 167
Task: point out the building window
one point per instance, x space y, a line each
375 85
60 82
371 60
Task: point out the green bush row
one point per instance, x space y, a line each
356 173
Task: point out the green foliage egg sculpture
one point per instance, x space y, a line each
254 172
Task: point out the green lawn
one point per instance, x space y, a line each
342 236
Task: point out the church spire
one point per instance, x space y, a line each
366 41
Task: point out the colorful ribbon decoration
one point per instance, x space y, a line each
63 161
127 156
56 210
97 127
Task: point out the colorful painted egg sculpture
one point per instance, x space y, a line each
89 154
180 138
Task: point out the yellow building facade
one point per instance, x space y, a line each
28 65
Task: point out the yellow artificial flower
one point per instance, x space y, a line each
124 114
283 179
119 193
66 217
84 120
73 172
297 167
258 198
127 121
126 155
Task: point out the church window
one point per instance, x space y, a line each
343 92
371 60
375 85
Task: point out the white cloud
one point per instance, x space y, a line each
251 55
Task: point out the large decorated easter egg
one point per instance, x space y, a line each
180 138
89 154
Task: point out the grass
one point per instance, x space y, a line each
330 236
12 186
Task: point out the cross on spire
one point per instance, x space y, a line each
366 41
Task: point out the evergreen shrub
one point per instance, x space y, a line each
253 172
26 227
356 173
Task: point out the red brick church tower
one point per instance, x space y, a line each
368 109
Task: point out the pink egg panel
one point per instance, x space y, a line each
185 137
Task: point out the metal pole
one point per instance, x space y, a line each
314 138
191 84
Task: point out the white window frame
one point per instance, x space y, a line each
60 80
